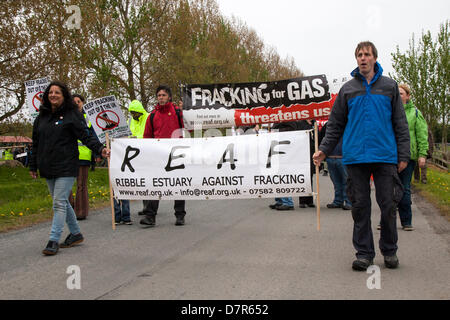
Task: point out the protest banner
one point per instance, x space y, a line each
246 104
34 90
255 166
106 116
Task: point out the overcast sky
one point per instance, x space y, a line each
322 35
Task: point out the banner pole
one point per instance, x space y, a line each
110 187
316 145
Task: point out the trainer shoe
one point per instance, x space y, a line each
408 227
51 248
128 223
284 207
71 240
148 221
334 205
346 207
179 221
274 206
361 264
391 262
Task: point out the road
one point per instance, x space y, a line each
228 249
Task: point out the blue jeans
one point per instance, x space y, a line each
122 210
60 188
404 206
287 201
338 175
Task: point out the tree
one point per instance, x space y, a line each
425 68
127 48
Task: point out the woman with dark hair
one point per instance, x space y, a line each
55 154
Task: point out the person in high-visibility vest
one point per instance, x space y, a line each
138 119
137 124
8 155
81 201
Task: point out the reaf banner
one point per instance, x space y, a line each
257 166
245 104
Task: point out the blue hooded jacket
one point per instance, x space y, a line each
372 120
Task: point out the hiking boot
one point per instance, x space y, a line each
274 206
391 262
51 248
148 221
334 205
284 207
71 240
408 227
361 264
180 221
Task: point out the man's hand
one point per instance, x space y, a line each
422 162
106 152
318 157
402 165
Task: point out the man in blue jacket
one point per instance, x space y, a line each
369 114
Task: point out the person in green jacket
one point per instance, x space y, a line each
8 155
139 118
137 126
418 131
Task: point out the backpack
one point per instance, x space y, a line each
178 113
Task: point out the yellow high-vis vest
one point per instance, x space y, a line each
85 152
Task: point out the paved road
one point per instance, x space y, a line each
233 249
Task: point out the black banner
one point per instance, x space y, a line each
297 91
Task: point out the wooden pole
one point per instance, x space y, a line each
110 187
316 145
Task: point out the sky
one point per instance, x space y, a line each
322 35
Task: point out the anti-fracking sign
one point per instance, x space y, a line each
106 116
246 104
35 89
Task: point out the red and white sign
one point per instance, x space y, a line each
106 116
34 90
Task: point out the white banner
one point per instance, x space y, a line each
35 90
248 166
105 115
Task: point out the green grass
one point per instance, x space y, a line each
25 201
437 189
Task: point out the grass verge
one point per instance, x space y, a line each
436 191
25 201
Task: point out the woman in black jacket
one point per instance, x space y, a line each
55 154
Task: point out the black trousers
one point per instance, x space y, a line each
389 192
151 207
